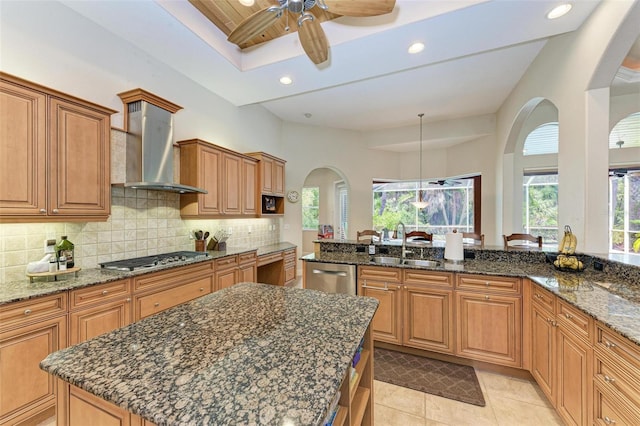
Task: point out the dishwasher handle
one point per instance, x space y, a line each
338 273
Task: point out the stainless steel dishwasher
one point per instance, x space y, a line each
330 277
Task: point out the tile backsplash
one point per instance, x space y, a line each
141 223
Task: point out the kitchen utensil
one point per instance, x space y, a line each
206 235
198 235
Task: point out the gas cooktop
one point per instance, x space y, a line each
155 260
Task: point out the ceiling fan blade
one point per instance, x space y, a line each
360 7
313 40
255 24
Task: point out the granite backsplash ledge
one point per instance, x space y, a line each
629 273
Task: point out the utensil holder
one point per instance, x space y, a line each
201 245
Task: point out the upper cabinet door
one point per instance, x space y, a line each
232 199
249 179
79 156
267 165
210 161
278 178
22 151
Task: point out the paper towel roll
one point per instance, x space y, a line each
453 249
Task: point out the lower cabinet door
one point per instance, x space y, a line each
87 409
387 321
225 279
247 274
574 378
543 344
489 328
92 322
25 390
428 318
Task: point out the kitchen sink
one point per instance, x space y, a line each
423 263
386 260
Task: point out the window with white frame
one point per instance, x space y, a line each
540 206
310 208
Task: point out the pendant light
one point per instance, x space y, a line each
421 203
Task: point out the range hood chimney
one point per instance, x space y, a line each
148 122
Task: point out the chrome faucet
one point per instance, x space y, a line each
404 240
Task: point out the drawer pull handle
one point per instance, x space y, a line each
156 304
609 421
568 316
104 292
201 288
27 311
128 299
43 211
487 283
609 344
385 288
56 211
609 379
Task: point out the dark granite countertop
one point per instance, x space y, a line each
249 354
15 291
610 296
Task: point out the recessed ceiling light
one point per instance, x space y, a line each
559 11
308 115
247 3
416 47
286 80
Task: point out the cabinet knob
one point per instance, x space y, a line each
201 288
27 311
104 292
43 211
487 283
487 297
609 421
55 211
609 379
156 304
128 299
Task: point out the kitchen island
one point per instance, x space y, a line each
249 354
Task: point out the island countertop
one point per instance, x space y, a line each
249 354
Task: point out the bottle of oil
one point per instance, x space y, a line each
65 248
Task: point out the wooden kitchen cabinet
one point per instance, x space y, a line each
229 178
226 272
383 284
428 310
290 260
99 309
29 331
87 409
247 267
55 155
271 175
155 292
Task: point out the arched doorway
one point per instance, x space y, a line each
325 201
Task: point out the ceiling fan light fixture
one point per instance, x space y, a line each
286 80
559 11
416 47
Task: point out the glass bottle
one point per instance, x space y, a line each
65 248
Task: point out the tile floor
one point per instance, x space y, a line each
509 401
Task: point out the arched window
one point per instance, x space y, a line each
542 140
626 134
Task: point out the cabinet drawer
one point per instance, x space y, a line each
616 380
99 293
289 274
624 352
380 273
168 277
165 299
226 263
576 320
491 283
411 276
269 258
543 298
19 313
247 257
289 256
607 411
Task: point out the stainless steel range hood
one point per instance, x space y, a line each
149 149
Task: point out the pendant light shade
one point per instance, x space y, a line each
421 203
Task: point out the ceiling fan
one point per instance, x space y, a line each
312 37
446 182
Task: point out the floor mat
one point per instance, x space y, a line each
453 381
